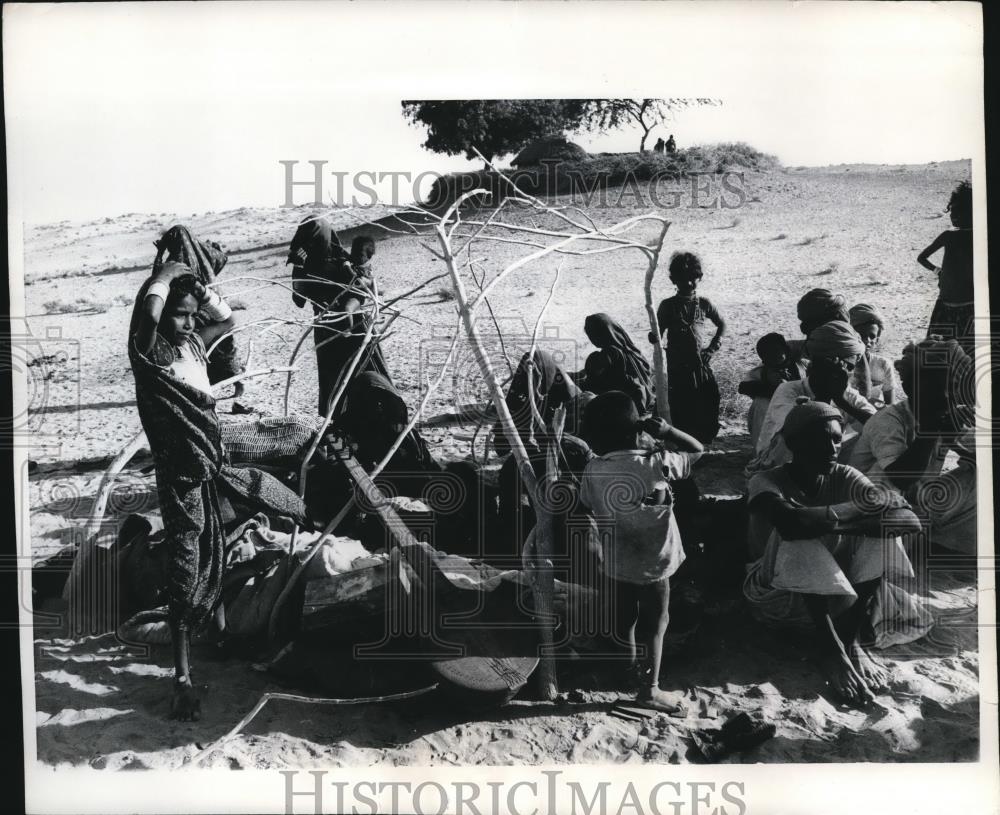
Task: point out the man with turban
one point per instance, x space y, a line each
834 350
824 559
869 323
904 446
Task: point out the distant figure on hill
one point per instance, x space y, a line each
671 145
660 146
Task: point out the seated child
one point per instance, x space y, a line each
760 383
627 492
869 323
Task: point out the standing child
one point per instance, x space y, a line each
760 383
692 390
869 323
194 482
952 315
626 488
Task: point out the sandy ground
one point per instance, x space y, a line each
856 229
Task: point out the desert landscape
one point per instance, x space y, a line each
855 229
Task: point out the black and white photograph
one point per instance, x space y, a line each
502 407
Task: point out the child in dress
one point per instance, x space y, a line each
692 389
626 489
760 383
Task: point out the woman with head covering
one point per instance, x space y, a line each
373 416
869 323
196 488
206 261
834 350
617 364
323 274
818 529
550 388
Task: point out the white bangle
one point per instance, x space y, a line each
158 289
215 307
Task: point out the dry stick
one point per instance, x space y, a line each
493 317
331 407
134 445
431 387
623 225
547 668
535 414
311 700
659 369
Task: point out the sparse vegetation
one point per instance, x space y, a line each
82 305
811 240
604 171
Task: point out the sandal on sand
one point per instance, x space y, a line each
737 735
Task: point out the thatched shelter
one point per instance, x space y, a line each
550 148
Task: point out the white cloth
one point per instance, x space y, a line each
640 542
882 375
828 566
771 450
885 437
192 365
946 499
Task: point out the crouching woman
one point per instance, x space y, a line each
827 544
195 487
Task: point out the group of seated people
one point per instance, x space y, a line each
842 477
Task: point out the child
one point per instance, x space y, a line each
626 488
692 390
760 383
952 315
194 484
869 323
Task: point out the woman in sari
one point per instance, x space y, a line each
617 364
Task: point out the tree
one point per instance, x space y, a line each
602 115
495 127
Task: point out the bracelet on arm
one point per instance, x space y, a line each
215 307
158 289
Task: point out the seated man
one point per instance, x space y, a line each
834 350
819 530
904 446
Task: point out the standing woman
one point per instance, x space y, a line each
324 274
617 364
205 261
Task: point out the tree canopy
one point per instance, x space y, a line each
495 127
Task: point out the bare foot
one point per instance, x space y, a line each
870 668
844 679
185 704
657 699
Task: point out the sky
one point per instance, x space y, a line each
189 107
